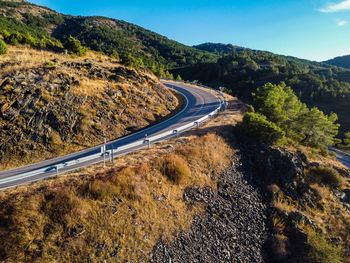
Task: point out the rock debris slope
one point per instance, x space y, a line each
233 228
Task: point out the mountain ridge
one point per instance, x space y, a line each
340 61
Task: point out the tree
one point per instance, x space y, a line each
168 75
317 129
178 77
281 106
74 46
278 103
256 126
3 47
346 142
114 54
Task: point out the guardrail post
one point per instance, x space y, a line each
112 156
177 133
148 142
56 167
197 124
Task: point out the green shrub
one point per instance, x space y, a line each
322 250
131 61
178 77
114 54
325 176
74 46
256 126
49 64
3 47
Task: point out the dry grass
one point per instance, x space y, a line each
329 214
116 115
324 175
96 212
174 168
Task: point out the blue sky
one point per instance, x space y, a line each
311 29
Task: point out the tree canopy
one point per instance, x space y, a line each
280 106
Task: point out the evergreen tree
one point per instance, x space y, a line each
281 106
346 142
3 47
74 46
256 126
178 77
114 54
316 128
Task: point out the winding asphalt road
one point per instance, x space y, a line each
200 102
342 156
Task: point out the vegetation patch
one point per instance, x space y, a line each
175 168
3 47
324 176
114 215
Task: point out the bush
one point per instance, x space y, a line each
322 250
324 176
257 127
175 168
3 47
49 65
102 190
74 46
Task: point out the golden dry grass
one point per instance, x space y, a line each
100 113
127 207
329 214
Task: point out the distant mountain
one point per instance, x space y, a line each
219 48
100 34
343 61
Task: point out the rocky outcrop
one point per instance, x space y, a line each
50 109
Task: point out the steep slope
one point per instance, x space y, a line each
343 61
100 34
53 104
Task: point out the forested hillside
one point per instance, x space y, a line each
343 61
241 73
120 39
222 49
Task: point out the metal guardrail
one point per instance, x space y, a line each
113 153
339 151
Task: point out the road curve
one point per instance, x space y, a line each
342 156
200 102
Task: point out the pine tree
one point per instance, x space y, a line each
346 142
74 46
3 47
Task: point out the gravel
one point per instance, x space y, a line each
233 228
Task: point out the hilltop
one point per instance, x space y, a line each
343 61
221 49
102 34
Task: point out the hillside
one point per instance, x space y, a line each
343 61
241 73
207 196
221 49
53 104
100 34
